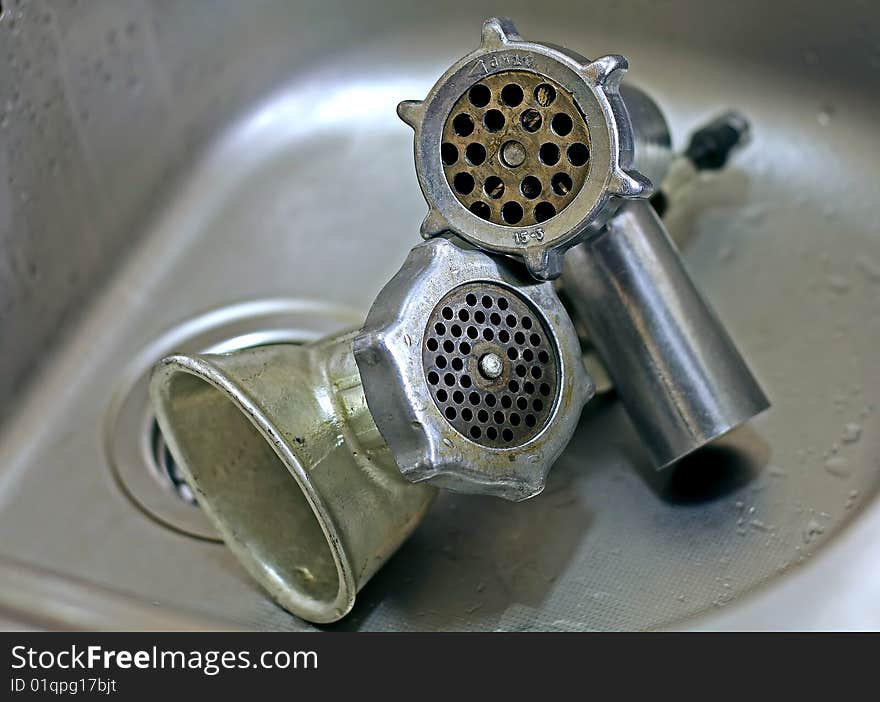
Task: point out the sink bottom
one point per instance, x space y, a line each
306 198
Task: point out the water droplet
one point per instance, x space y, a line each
754 215
725 253
838 284
851 433
838 466
812 531
760 525
869 267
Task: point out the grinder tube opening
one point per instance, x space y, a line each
253 488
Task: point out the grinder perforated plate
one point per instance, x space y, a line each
510 405
515 149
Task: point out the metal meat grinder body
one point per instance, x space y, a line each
529 150
316 462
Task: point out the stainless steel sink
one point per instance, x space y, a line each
181 176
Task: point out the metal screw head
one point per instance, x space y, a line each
513 154
491 366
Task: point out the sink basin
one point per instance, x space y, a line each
180 177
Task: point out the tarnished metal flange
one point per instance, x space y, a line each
472 371
538 236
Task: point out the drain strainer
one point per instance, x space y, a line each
136 451
490 365
166 466
515 149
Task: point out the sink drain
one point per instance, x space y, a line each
137 454
165 465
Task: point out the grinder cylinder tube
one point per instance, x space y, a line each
677 371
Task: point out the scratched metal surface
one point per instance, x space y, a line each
162 159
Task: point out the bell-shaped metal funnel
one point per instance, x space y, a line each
283 455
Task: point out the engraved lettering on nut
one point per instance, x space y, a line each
524 237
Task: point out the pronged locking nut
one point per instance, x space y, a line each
472 372
525 148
